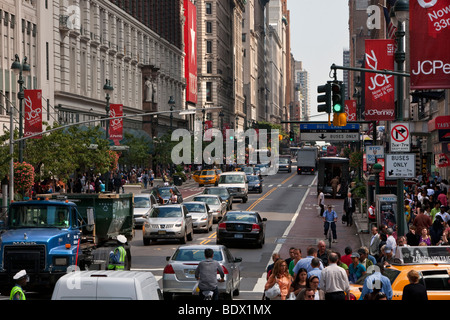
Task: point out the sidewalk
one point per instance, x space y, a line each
362 227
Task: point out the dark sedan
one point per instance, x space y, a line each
241 227
255 183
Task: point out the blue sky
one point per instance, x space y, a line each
319 34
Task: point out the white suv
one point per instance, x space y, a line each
168 222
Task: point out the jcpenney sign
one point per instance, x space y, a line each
430 44
379 88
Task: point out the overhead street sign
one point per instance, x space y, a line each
400 166
329 136
400 137
323 127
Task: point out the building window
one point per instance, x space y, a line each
209 67
208 46
209 91
208 8
208 27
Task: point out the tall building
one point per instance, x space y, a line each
253 41
302 88
276 61
220 61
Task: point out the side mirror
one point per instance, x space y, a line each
167 258
264 219
237 260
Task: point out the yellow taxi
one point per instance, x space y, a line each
196 175
431 262
208 176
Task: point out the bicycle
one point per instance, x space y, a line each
329 235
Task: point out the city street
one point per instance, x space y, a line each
288 201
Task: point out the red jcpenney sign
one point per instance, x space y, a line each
430 44
379 88
33 113
116 125
190 41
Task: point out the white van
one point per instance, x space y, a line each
107 285
236 182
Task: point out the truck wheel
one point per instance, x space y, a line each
244 200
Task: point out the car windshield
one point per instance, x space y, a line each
283 160
392 274
208 173
195 207
142 202
252 178
164 192
39 216
190 254
239 217
166 212
208 200
248 170
262 165
217 191
231 179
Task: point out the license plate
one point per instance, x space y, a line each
161 231
190 273
238 236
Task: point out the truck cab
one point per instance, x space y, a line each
41 237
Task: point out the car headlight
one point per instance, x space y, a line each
204 218
179 224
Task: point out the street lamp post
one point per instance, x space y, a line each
21 69
401 9
108 89
171 104
377 168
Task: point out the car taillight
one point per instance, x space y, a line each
255 227
225 270
222 226
169 269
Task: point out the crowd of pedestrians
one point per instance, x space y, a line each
323 274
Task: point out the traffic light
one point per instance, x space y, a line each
291 135
324 98
338 102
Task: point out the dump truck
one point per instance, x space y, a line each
50 236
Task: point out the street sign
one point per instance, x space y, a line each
329 136
351 127
400 166
373 153
400 137
324 132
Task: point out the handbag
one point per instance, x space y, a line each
273 292
344 218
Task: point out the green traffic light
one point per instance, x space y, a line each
337 108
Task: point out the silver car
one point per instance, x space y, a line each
179 273
202 218
168 222
216 204
142 205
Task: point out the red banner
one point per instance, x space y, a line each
190 41
350 110
429 28
116 125
379 88
32 113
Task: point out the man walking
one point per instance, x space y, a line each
206 274
349 208
334 280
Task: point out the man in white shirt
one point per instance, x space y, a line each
321 203
390 242
334 280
